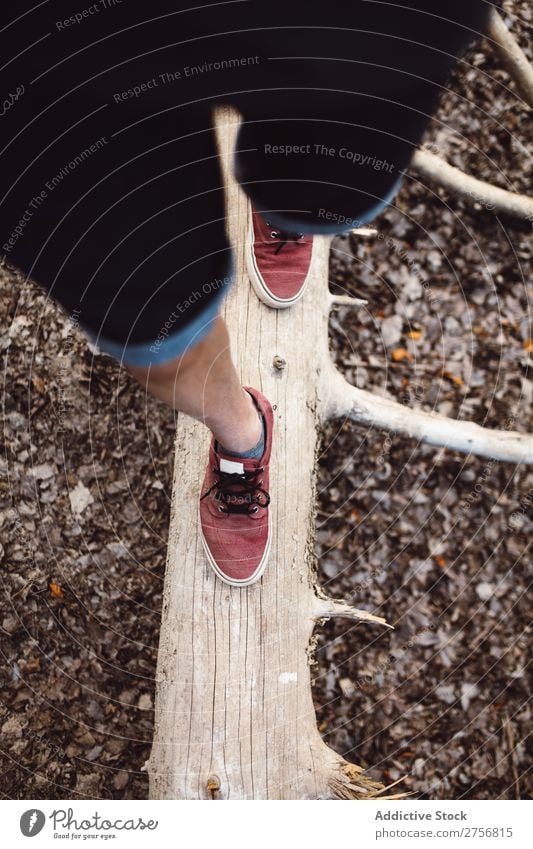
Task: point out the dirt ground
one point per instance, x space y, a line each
435 542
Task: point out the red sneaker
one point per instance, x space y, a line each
234 516
277 261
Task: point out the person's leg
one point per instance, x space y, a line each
203 384
113 201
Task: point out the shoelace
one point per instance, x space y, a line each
284 236
240 493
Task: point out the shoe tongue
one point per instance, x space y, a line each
232 467
236 465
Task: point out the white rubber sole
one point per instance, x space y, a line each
258 284
235 583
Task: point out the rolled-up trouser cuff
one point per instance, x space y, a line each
333 223
165 347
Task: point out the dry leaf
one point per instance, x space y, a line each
528 346
401 354
414 334
56 591
121 779
454 378
38 383
80 498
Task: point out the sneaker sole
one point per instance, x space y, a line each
258 284
232 582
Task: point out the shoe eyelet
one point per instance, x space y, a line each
254 509
274 234
221 509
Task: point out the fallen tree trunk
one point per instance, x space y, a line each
234 710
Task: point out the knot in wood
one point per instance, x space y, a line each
213 786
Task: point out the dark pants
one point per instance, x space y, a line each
110 185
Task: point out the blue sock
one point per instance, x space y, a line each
254 453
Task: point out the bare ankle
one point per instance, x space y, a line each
243 431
